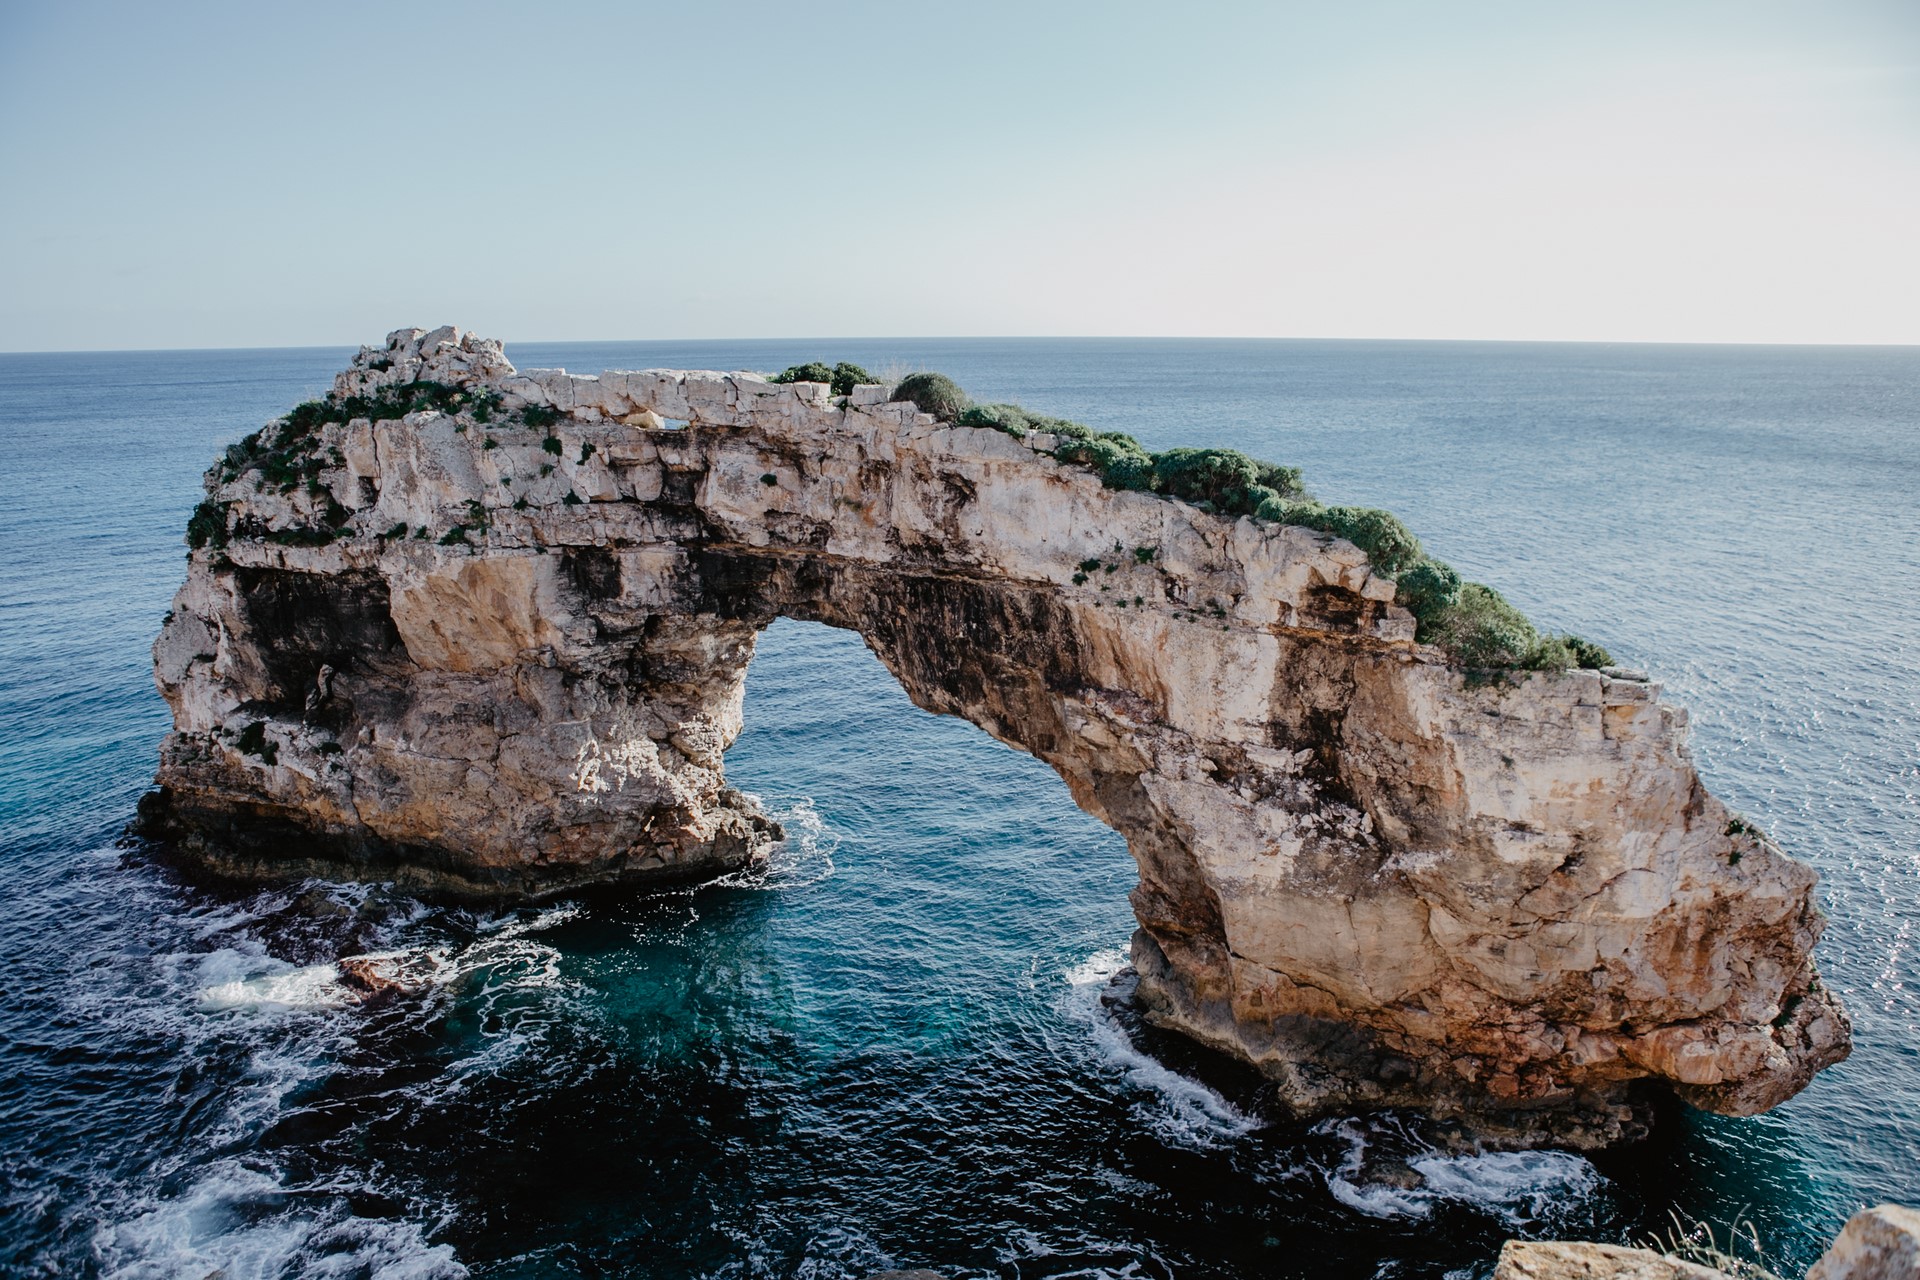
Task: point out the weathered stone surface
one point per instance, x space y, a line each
1573 1260
1377 881
1881 1243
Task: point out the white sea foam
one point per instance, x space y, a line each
1518 1187
316 986
804 858
241 1223
1180 1110
1098 969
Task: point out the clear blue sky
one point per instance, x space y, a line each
266 174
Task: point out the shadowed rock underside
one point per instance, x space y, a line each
493 658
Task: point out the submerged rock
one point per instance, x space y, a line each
487 633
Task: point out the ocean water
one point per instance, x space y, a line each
890 1047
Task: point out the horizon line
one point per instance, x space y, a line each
1541 342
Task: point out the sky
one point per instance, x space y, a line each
193 175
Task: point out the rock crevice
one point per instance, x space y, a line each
497 644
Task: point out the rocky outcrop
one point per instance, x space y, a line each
490 632
1578 1260
1881 1243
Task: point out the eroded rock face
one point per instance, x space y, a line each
516 667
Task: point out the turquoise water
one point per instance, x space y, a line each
890 1047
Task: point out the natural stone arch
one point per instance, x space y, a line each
1359 871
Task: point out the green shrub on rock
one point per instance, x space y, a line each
841 379
933 393
1019 422
1480 629
1389 544
1426 588
1010 418
1587 654
1223 480
207 526
812 371
1123 463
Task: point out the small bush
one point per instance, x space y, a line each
1549 653
848 376
1010 418
489 443
572 499
1225 480
1144 555
769 479
1480 629
1120 459
586 451
309 416
540 416
1389 544
398 531
207 526
812 371
552 445
1018 422
1426 588
840 380
455 536
933 393
388 403
1587 654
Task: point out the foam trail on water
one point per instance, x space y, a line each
316 986
803 858
239 1223
1521 1188
1187 1113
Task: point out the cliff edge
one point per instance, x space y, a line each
487 632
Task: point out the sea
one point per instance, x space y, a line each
889 1046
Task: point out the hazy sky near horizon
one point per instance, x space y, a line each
191 175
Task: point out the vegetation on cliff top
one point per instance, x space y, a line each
842 377
1472 622
1475 624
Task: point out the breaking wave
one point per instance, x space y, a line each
1522 1189
1181 1110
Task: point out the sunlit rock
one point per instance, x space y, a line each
498 647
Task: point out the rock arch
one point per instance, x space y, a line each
497 645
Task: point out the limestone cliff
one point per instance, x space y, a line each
490 632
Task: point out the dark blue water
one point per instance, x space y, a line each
889 1047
